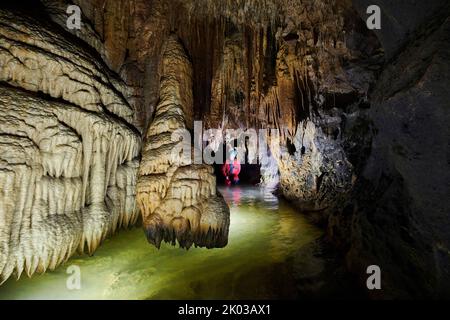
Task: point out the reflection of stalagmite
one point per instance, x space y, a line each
178 201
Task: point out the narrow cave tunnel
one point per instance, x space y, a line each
269 149
248 172
250 175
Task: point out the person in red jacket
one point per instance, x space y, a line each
231 168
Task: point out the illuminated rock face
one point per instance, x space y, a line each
178 201
318 172
68 155
51 64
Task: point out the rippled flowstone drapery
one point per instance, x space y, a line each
68 154
178 200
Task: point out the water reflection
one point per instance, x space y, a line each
265 236
250 196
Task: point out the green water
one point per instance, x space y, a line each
259 262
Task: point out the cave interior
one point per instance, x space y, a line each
354 122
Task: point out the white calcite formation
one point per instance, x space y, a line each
68 154
318 173
178 200
38 59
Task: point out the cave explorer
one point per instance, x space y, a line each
231 168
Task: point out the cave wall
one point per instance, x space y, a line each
400 20
398 215
69 153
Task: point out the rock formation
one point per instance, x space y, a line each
69 155
397 214
178 199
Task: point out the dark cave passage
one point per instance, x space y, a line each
250 174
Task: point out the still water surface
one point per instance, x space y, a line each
258 263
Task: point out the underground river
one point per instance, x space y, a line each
268 253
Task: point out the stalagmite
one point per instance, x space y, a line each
178 200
